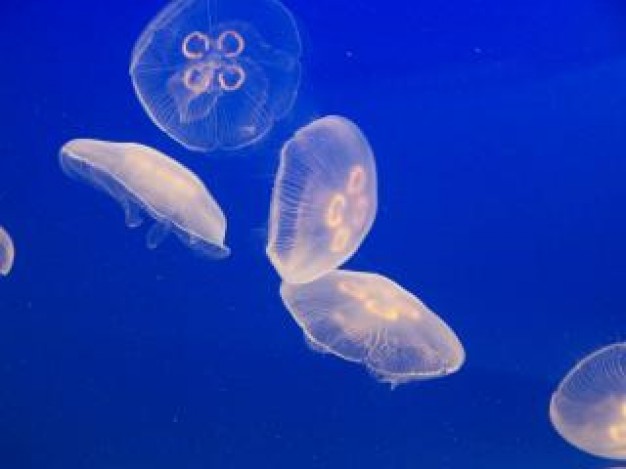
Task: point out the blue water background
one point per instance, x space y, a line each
499 131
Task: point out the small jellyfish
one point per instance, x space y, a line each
7 252
324 200
142 179
367 318
588 409
218 73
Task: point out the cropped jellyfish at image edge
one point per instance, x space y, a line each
369 319
144 180
324 200
7 252
217 74
588 409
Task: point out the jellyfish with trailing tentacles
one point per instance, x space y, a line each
324 200
145 181
217 74
588 409
367 318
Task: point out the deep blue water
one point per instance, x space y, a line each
499 134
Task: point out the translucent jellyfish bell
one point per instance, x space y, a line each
324 200
7 252
588 409
369 319
142 180
218 73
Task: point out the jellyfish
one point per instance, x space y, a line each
144 180
367 318
217 74
324 199
7 252
588 409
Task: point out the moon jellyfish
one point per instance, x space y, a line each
369 319
324 200
144 180
588 409
7 252
218 73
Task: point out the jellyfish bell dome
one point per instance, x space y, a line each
7 252
150 184
217 74
367 318
324 201
588 408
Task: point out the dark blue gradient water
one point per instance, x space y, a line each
499 130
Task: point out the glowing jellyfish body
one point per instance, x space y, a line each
324 200
369 319
7 252
588 409
218 73
142 179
